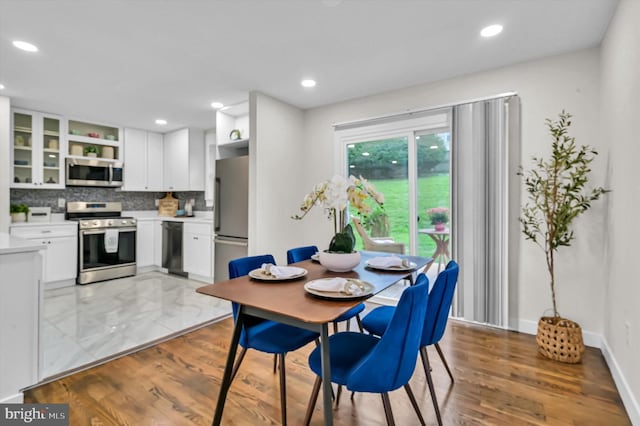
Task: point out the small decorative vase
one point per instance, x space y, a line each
339 262
92 154
107 152
439 227
18 217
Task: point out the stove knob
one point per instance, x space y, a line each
109 223
96 222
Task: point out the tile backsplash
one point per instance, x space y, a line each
130 200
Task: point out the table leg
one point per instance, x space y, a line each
226 377
326 374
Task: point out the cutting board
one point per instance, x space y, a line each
168 206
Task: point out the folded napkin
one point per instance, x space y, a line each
336 285
281 271
388 262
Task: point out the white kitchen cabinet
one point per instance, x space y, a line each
20 302
232 126
197 249
106 139
145 243
184 160
38 145
157 243
143 153
60 263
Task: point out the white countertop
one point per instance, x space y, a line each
152 215
9 244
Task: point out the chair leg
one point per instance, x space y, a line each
444 361
312 401
359 321
335 327
236 366
387 409
412 398
427 370
338 395
348 325
283 391
275 363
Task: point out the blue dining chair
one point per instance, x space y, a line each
265 335
299 254
366 363
437 314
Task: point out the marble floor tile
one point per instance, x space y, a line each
85 324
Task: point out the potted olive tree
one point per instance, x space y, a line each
557 195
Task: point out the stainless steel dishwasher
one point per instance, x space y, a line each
172 247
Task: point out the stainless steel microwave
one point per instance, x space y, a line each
93 172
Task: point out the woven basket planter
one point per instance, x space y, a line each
560 339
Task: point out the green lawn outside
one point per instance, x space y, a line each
433 191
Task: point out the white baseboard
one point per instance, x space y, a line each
590 338
628 398
596 340
196 277
59 284
13 399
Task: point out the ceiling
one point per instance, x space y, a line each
128 62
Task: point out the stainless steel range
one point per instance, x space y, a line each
106 241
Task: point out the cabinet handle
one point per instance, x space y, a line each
195 238
46 232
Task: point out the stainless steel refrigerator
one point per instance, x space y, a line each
231 213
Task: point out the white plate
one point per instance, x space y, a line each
315 257
411 267
368 289
260 274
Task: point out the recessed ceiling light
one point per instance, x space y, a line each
491 30
161 121
433 147
352 166
394 161
1 86
365 154
351 146
23 45
217 105
308 83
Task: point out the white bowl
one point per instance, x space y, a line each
339 262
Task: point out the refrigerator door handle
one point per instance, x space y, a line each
231 242
216 207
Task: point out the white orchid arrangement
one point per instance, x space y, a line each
334 196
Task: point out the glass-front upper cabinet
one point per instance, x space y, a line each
37 148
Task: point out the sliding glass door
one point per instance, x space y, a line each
408 162
433 194
384 163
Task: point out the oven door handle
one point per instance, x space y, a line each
103 230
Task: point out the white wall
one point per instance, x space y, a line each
546 86
5 155
276 140
620 130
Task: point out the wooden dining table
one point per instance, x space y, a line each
287 302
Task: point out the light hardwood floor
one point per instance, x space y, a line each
500 380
